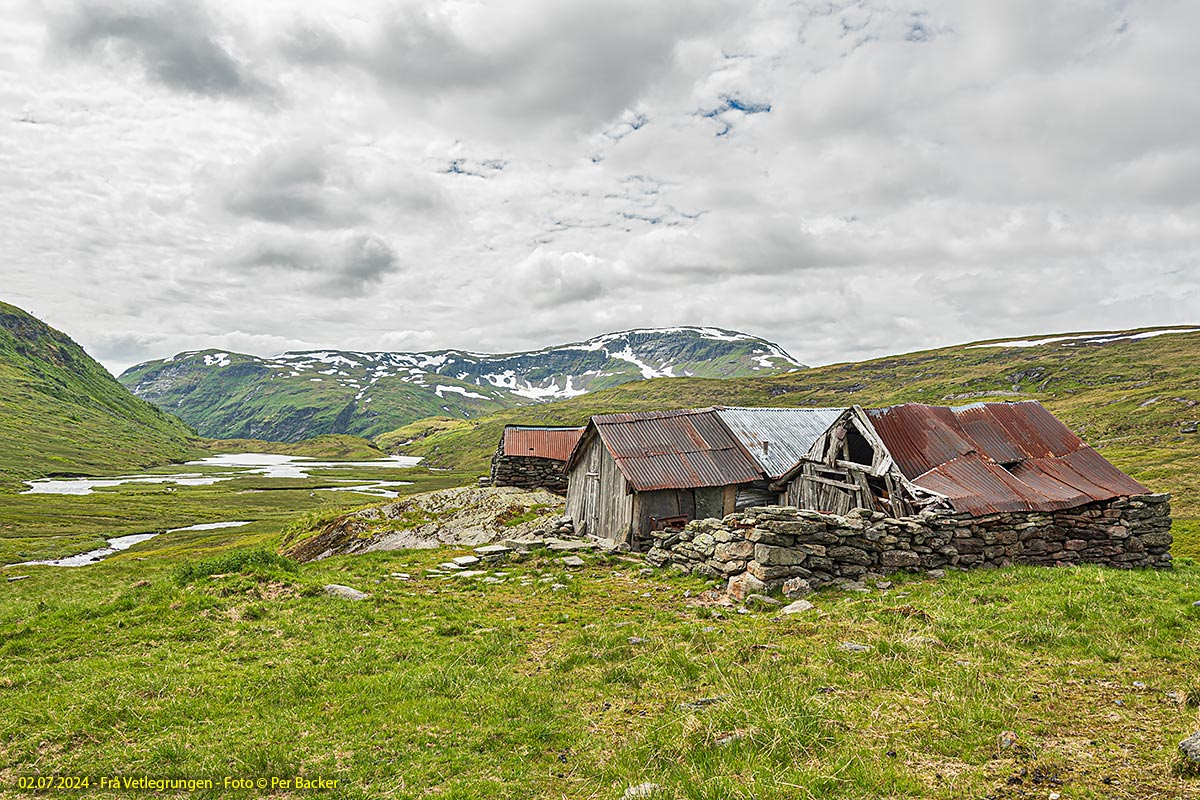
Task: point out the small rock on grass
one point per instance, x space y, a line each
1194 605
641 791
465 561
936 573
345 592
854 647
1191 749
761 600
15 578
797 607
573 561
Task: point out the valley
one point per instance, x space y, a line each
192 647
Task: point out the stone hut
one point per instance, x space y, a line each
531 457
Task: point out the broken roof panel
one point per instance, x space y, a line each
978 486
789 433
540 442
675 450
990 457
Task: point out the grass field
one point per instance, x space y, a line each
460 689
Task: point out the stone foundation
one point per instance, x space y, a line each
527 472
775 547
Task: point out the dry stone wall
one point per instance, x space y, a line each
527 472
775 547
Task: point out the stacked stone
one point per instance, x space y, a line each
529 472
795 549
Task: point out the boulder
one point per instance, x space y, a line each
742 586
900 559
797 587
761 601
773 556
1191 749
797 607
345 592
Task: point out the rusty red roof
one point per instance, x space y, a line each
675 449
991 457
540 442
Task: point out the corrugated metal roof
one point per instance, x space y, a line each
789 433
675 450
977 486
540 442
920 437
991 457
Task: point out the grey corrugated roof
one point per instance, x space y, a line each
790 433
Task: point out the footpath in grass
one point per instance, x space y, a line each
532 680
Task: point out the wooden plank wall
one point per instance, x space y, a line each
598 497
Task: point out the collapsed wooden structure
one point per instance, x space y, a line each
979 459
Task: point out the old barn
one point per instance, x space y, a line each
978 459
530 456
632 474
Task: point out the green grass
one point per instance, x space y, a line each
332 447
260 561
455 688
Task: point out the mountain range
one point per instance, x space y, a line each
298 395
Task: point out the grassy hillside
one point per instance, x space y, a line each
334 446
61 412
552 683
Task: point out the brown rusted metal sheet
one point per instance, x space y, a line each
1034 430
977 486
920 437
540 442
675 450
991 457
981 426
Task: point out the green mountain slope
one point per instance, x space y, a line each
297 395
61 412
1135 398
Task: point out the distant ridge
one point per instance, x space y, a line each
296 395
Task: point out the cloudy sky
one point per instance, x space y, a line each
848 179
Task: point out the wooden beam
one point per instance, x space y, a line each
848 486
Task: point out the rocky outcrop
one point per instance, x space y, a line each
773 547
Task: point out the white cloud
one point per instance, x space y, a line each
496 176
